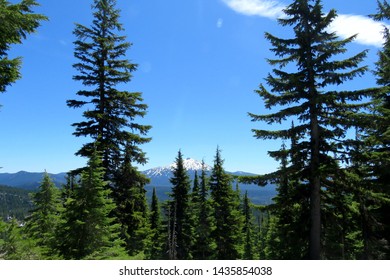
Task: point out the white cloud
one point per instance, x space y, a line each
219 23
264 8
369 31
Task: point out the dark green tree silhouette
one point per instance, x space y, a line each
324 114
44 220
110 112
180 211
204 244
87 230
228 219
156 246
132 210
247 230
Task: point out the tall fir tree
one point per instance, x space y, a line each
228 219
17 21
195 193
204 244
324 114
132 210
110 112
378 134
171 233
180 211
247 230
156 245
87 231
44 220
290 207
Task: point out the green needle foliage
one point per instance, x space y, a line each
14 244
308 95
44 220
110 112
17 21
180 212
228 219
87 231
156 246
204 244
247 230
132 210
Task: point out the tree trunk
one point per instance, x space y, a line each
315 188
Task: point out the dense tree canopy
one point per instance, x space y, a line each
180 213
228 219
309 96
45 217
87 230
333 192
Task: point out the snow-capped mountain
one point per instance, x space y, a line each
160 175
191 164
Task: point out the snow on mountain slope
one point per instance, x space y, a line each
189 164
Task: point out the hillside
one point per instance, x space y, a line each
159 177
14 202
29 180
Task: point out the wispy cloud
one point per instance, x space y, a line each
219 23
369 32
264 8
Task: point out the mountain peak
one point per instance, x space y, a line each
191 164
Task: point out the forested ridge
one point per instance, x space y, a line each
14 203
333 199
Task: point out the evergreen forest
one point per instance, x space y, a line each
333 180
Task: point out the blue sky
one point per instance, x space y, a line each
199 64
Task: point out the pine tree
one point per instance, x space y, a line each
111 112
195 193
132 210
180 211
171 233
204 244
271 239
378 140
43 222
324 115
290 208
228 219
15 244
247 230
17 21
156 251
87 231
262 228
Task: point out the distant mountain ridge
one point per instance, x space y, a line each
29 180
159 176
189 164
